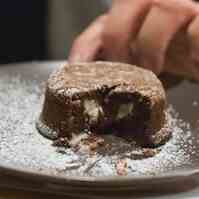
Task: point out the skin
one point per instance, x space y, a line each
159 35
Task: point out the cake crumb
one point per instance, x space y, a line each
95 142
61 142
121 167
148 152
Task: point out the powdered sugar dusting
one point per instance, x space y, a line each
23 147
57 84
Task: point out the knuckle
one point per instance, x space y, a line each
179 7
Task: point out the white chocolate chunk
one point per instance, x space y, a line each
93 110
76 139
125 110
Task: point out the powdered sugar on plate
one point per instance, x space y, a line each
21 145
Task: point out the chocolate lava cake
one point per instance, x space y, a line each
105 97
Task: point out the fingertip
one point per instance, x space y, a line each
153 64
85 52
74 58
74 55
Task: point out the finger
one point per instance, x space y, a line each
177 59
193 38
122 24
165 19
87 46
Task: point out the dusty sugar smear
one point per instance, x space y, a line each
23 147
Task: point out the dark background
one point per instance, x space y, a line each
22 30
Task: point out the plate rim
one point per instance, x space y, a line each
104 181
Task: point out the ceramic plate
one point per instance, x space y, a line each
32 162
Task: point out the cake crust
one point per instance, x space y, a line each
106 97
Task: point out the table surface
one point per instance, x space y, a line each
6 193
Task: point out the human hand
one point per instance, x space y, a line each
159 35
